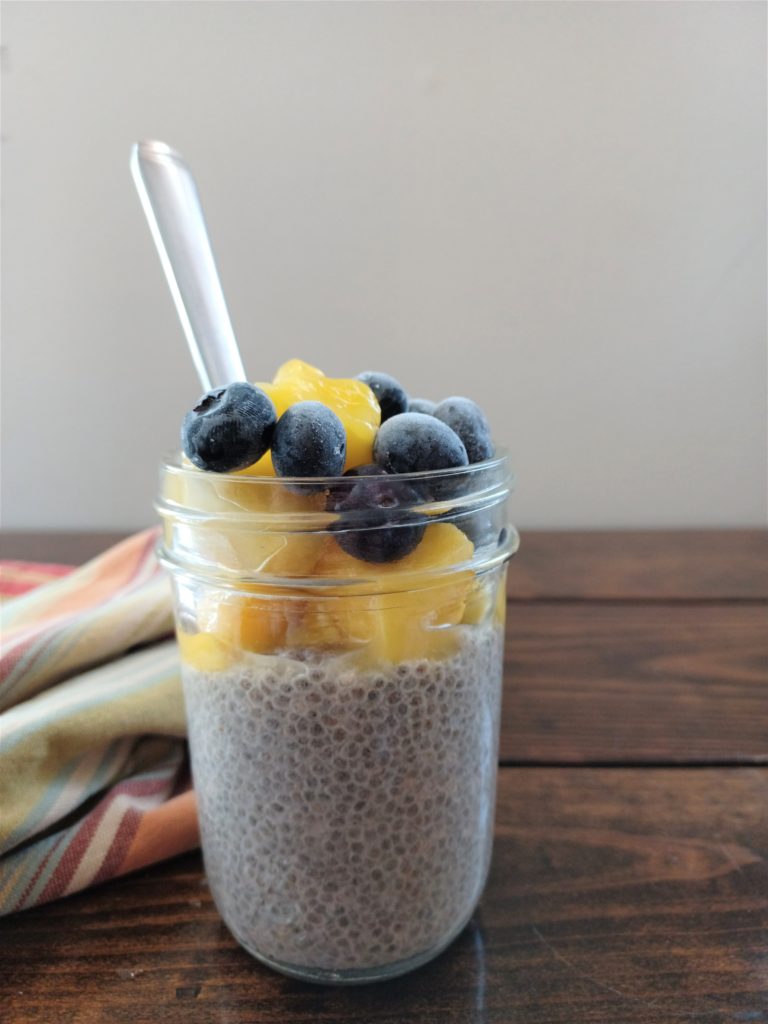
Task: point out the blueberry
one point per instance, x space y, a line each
413 442
309 440
468 420
422 405
390 395
338 490
229 428
376 519
371 469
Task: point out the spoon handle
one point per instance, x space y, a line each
172 207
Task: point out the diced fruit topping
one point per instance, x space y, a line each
413 442
408 578
390 394
296 370
467 419
394 619
487 599
443 546
376 521
352 400
252 623
205 652
309 440
230 428
422 405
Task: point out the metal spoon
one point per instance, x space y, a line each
172 207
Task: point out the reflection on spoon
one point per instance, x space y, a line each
172 207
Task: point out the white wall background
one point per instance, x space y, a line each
558 209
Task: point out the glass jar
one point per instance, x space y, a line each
343 713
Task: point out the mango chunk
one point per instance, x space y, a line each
487 600
275 554
252 623
442 546
500 607
403 610
352 401
205 652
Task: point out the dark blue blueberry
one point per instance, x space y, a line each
376 519
229 428
468 420
309 440
371 469
422 405
413 442
390 395
339 489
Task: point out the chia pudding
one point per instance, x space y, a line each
347 815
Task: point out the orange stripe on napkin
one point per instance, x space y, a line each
164 831
87 672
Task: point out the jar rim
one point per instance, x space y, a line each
234 526
176 463
257 501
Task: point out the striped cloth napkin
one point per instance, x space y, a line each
94 778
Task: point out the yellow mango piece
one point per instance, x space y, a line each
297 369
407 634
205 652
417 627
487 599
330 625
480 601
352 401
269 496
275 554
244 544
443 545
483 597
500 608
252 623
194 489
402 611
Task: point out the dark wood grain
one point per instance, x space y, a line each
623 682
636 565
616 897
650 565
594 682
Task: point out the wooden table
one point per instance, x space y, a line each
630 875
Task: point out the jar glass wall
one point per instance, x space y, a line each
343 714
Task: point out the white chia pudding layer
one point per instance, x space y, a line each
347 816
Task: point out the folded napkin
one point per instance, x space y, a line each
94 778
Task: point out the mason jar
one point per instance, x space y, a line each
343 711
